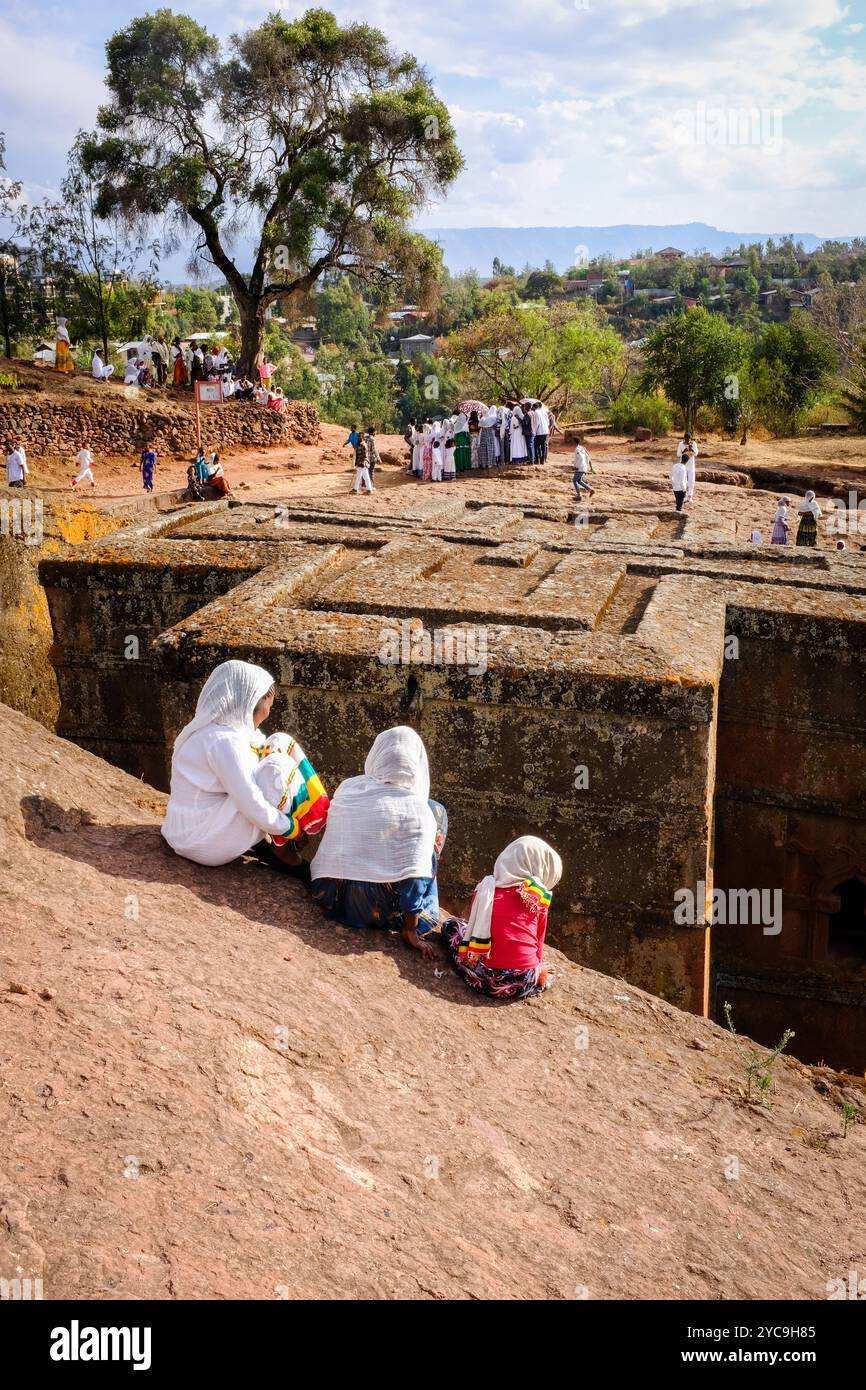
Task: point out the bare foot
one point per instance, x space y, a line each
287 853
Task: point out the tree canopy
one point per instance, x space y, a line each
21 302
795 360
557 354
693 356
93 258
304 146
342 315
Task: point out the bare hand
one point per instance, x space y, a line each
411 936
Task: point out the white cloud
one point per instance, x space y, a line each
566 111
50 89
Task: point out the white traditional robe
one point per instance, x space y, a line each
417 448
216 812
100 371
437 446
519 451
84 459
690 462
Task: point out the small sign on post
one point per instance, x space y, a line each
211 392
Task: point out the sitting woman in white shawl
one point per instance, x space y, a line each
499 949
377 863
216 808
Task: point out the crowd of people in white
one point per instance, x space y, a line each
480 436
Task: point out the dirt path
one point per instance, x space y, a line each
628 474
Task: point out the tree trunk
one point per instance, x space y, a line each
4 313
252 315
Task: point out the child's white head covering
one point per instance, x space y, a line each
527 858
277 743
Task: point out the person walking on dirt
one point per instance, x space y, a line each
84 459
582 466
362 472
147 464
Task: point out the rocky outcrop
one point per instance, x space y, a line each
33 527
213 1093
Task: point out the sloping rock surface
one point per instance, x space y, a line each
207 1091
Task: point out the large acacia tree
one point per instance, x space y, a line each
302 147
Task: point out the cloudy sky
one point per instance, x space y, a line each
568 111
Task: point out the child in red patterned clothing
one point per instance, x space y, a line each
499 949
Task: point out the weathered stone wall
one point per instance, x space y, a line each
109 423
107 607
33 528
791 815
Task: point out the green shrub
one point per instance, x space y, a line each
635 409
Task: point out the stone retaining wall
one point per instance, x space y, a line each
110 423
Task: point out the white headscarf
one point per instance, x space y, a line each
380 827
229 697
461 423
809 504
525 858
782 510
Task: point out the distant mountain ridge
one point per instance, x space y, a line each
473 248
